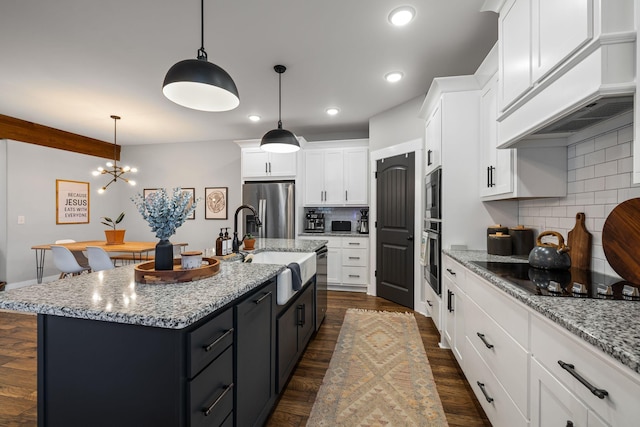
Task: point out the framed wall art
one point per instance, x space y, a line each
215 203
148 191
72 202
192 193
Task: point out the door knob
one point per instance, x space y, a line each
410 237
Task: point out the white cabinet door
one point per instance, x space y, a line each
559 29
448 319
282 164
515 50
433 304
333 177
255 163
356 182
433 136
551 403
334 266
313 178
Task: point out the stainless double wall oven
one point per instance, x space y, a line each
432 228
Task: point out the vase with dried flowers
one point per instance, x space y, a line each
165 213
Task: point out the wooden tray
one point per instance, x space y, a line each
145 272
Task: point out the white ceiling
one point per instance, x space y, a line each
70 64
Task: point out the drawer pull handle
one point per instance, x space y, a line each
207 411
208 347
354 275
262 298
571 369
481 336
451 272
486 396
354 243
301 314
354 257
429 303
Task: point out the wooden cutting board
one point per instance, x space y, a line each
579 242
621 240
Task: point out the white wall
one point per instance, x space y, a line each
599 178
399 124
188 165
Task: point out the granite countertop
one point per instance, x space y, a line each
612 326
114 296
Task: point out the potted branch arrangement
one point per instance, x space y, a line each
249 242
113 235
165 213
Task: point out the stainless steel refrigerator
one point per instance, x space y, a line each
275 204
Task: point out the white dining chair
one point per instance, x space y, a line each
64 261
99 259
82 260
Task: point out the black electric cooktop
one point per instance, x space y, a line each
573 283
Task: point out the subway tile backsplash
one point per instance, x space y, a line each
599 178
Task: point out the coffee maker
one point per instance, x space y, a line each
314 222
363 223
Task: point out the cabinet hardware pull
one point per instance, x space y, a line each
429 157
481 336
488 176
453 273
346 196
262 298
571 369
486 396
207 411
429 303
354 275
301 315
266 168
491 180
354 257
354 243
450 301
269 167
208 347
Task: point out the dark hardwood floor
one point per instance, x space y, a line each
18 368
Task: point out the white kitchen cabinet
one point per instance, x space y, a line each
433 305
520 172
454 301
433 138
514 34
336 177
334 264
257 163
496 165
356 177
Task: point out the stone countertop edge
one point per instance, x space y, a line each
114 296
335 234
592 320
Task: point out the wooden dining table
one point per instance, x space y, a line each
139 251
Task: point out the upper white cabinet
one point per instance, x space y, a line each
515 50
433 138
336 176
257 163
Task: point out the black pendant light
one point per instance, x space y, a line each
199 84
279 140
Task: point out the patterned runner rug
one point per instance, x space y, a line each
379 375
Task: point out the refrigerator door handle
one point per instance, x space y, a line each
262 212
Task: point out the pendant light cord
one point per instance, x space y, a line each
202 54
279 100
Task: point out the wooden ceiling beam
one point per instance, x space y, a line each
33 133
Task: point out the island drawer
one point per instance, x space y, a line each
208 341
211 392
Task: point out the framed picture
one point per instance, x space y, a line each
215 203
72 202
192 193
148 191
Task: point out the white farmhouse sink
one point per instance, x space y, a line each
306 260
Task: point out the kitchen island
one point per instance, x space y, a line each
538 360
115 352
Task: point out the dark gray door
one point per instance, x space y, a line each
395 227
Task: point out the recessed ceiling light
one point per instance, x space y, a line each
393 76
254 118
332 111
401 16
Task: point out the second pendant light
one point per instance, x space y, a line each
279 140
